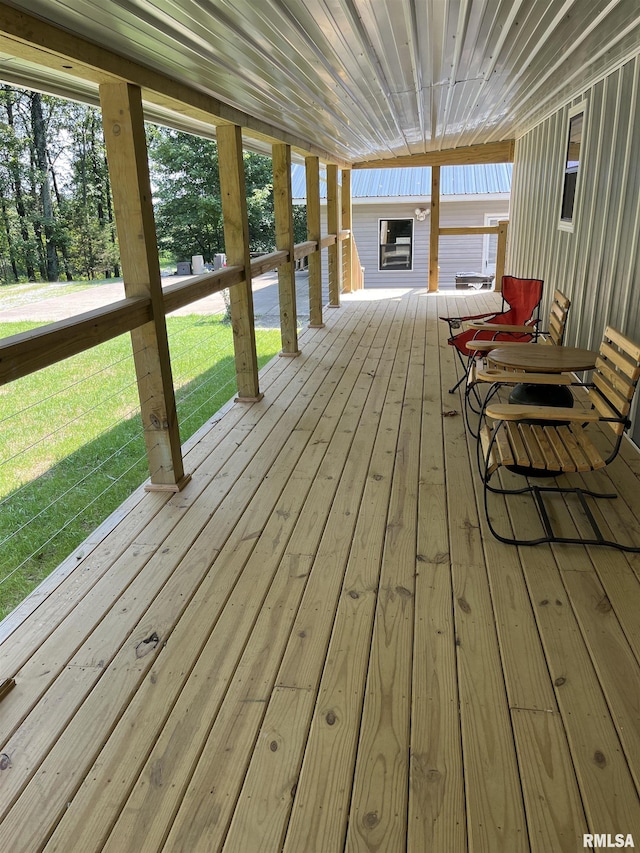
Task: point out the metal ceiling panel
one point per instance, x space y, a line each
364 79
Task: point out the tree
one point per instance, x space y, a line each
14 145
56 210
42 163
89 214
188 208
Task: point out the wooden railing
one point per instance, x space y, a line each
500 229
143 310
28 352
352 274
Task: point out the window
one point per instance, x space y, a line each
396 244
572 165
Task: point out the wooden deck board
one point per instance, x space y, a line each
318 646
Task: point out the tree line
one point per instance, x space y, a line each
56 210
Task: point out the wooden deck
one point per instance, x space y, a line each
317 647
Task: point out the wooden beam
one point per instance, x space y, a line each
126 147
283 214
236 240
501 252
434 235
312 173
45 44
333 226
185 292
36 349
304 250
471 229
347 248
490 152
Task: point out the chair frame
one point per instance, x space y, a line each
529 330
547 432
554 336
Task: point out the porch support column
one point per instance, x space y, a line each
236 244
314 232
333 227
126 146
434 236
283 210
501 252
347 244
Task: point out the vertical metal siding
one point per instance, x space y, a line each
597 264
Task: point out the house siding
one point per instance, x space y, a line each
598 263
457 254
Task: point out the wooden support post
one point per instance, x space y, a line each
236 243
434 237
129 175
501 252
347 245
333 227
312 172
283 210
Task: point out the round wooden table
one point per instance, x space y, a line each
542 358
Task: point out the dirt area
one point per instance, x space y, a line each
48 306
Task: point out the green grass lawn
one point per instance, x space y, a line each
71 444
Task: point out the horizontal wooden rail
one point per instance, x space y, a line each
471 229
184 292
266 263
27 352
36 349
302 250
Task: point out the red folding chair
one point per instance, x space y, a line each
521 299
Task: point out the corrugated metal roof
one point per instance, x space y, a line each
408 182
360 79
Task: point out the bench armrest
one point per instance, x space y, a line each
508 377
511 412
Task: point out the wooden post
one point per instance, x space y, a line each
434 236
236 244
347 245
283 210
333 227
314 232
126 146
501 252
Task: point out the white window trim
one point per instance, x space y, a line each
563 225
488 217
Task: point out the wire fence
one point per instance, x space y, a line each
72 445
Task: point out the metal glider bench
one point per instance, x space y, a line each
547 441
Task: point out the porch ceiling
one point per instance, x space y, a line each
362 79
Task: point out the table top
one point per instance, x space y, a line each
543 358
